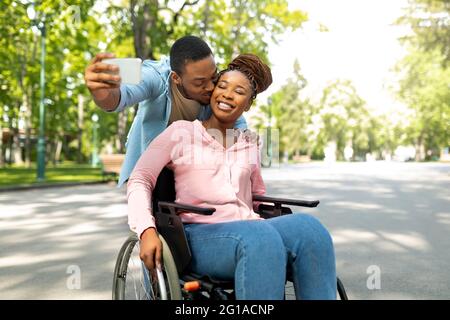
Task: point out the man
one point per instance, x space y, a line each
170 90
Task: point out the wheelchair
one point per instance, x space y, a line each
132 280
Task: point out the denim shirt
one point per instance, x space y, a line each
155 105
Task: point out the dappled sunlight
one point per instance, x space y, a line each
410 241
21 260
356 205
88 198
14 280
115 211
443 217
82 228
13 210
396 217
353 236
31 224
372 220
42 234
111 211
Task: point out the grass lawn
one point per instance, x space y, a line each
63 173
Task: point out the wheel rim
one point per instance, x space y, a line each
132 280
140 284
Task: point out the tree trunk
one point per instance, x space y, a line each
8 149
142 21
206 13
420 149
28 114
121 131
16 151
58 151
2 160
237 33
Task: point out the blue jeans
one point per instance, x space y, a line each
257 254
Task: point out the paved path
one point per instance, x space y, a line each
387 217
391 217
48 234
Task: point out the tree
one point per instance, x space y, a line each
230 27
72 35
430 24
424 88
290 113
343 119
77 30
425 75
18 72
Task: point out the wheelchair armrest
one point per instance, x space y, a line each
177 207
279 201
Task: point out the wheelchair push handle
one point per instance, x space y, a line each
181 207
291 202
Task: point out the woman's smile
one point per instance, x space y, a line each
224 106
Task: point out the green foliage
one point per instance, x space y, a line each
244 26
341 116
285 111
230 27
430 24
72 35
425 88
78 29
425 75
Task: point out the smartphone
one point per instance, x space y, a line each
129 69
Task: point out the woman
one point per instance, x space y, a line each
234 242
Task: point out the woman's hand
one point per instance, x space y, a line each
151 249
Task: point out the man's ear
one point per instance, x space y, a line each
175 78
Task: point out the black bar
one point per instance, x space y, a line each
292 202
186 207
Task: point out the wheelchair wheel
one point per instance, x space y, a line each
132 281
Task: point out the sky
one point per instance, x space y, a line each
361 45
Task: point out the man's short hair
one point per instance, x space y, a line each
187 49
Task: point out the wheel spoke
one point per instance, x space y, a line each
133 281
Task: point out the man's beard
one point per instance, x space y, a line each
183 92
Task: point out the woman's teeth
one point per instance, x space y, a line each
224 106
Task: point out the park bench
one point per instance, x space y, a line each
111 164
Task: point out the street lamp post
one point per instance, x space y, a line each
94 160
41 138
